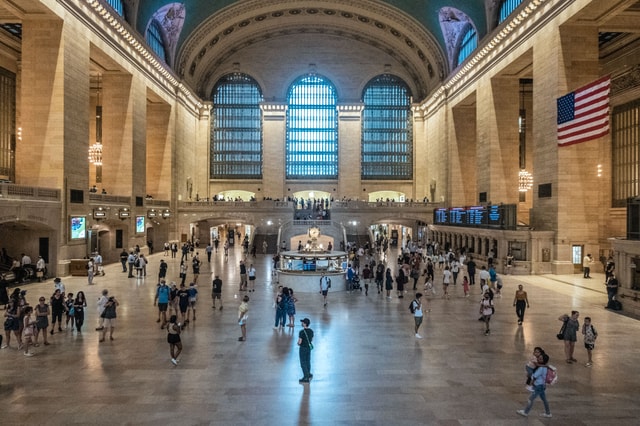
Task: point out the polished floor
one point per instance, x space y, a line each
368 367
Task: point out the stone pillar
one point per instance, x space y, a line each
273 151
349 151
160 146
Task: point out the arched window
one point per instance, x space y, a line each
117 5
387 130
236 132
312 129
155 40
468 44
506 7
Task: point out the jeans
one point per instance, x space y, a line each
539 390
611 293
521 305
305 361
281 317
124 265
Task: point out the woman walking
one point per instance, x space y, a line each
388 283
521 302
57 308
173 338
42 320
78 310
109 315
486 310
570 334
243 309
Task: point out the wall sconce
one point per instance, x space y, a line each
152 213
166 214
124 213
99 214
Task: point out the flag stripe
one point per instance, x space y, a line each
583 115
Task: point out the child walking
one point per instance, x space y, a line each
465 286
590 335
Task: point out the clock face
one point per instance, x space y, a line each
314 232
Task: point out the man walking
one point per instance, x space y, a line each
305 337
216 291
325 283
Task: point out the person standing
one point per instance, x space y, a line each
586 265
484 276
28 330
305 339
471 270
251 272
569 336
90 271
446 280
40 269
58 285
162 300
243 310
455 270
590 335
173 338
102 301
280 303
612 288
216 291
388 285
521 302
124 256
609 269
195 265
325 283
162 270
208 250
243 276
57 307
486 310
97 259
416 308
109 315
539 386
131 259
265 246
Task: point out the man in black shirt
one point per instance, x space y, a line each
216 291
304 342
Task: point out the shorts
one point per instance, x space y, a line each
42 322
162 307
324 292
589 346
252 278
173 338
216 295
183 309
192 303
418 321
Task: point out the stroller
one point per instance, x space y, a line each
355 283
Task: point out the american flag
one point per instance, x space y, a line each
583 115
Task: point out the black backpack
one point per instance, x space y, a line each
412 307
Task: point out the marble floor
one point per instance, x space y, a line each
368 367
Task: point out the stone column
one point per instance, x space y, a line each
273 151
349 151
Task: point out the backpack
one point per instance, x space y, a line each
412 307
328 282
552 375
137 263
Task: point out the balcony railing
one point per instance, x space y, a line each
10 191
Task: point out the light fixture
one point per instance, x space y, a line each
124 213
95 150
525 180
99 213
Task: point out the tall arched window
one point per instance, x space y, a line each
117 5
236 132
155 40
468 44
506 7
387 130
312 129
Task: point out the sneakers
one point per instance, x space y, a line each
29 354
529 388
546 415
4 346
522 413
173 360
589 364
303 380
418 336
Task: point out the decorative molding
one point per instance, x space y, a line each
626 81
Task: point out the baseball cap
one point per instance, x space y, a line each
305 321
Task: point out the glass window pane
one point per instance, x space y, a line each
387 130
625 155
236 131
154 39
312 130
468 44
117 5
506 7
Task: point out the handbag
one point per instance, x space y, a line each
560 334
8 323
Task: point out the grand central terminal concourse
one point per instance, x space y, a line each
387 212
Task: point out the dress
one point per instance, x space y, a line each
571 332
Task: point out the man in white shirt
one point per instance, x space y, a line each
484 275
102 301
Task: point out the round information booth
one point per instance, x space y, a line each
301 270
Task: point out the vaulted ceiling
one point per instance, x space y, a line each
204 35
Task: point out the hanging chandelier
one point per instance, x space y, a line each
95 154
95 150
525 181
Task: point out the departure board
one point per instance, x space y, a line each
502 216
